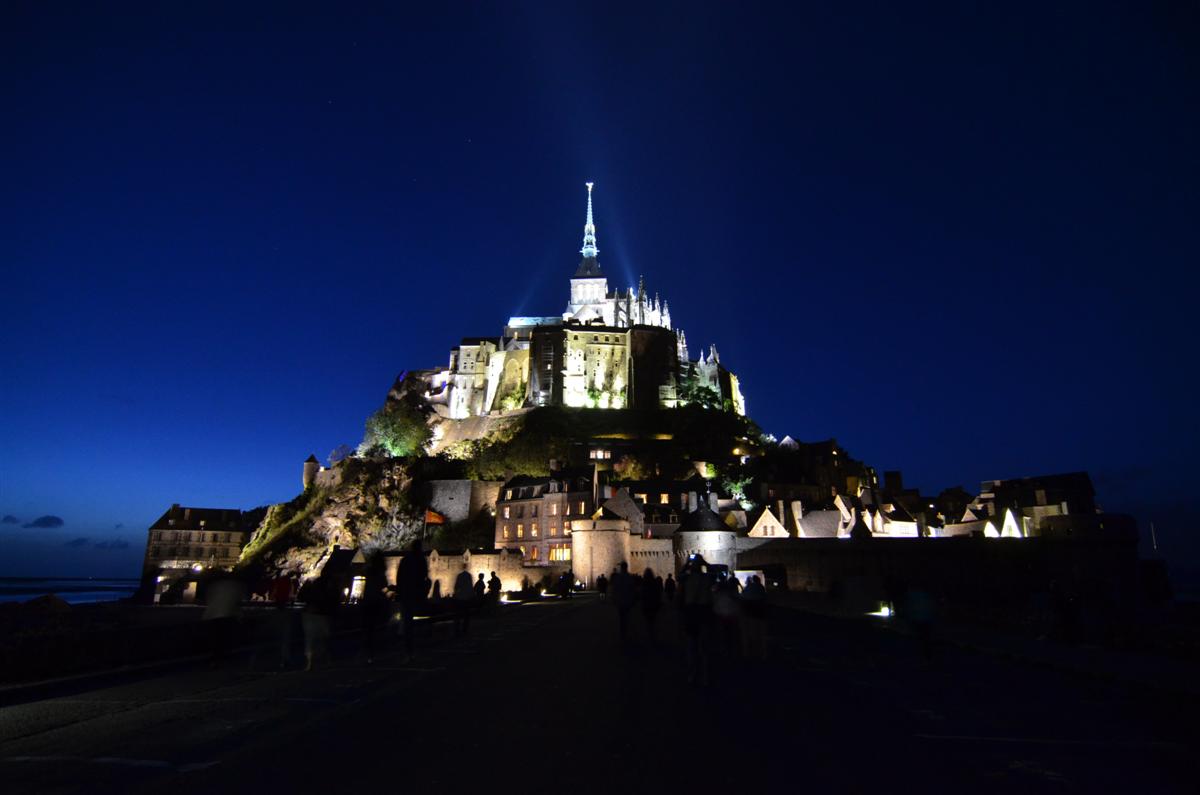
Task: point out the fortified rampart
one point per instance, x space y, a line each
982 575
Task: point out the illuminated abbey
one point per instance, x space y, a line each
609 349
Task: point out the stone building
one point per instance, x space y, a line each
185 540
1023 507
609 349
535 516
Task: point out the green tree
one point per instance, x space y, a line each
398 429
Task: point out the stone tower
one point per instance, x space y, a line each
704 533
311 467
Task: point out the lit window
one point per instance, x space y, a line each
520 530
507 512
508 494
582 510
663 498
533 530
554 509
505 531
641 497
553 530
533 553
566 528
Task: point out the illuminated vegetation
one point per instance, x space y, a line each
672 439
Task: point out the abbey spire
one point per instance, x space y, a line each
589 249
589 268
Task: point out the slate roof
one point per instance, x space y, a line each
589 268
702 519
821 524
225 519
570 476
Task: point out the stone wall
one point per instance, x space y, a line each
443 569
984 575
715 546
597 547
657 554
460 500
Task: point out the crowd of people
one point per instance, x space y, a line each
321 598
716 611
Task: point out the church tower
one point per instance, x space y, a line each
588 286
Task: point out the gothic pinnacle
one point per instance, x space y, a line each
589 249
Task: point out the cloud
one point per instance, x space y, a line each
45 521
10 519
116 543
1121 480
78 542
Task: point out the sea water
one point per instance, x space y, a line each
76 590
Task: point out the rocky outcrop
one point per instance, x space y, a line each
370 508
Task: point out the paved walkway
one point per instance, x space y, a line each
543 697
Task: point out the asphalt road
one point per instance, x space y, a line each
542 696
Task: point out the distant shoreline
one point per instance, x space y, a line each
73 590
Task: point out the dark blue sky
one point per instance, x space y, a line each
959 239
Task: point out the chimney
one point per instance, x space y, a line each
596 491
798 516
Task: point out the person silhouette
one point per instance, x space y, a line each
623 595
412 586
494 587
463 595
669 588
697 598
375 605
651 598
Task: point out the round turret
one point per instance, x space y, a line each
598 546
311 467
704 533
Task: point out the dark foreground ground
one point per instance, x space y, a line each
541 698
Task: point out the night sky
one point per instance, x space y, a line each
961 240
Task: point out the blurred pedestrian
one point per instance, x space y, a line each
651 598
375 604
602 586
669 588
321 598
623 596
464 594
412 586
222 612
754 619
480 588
697 601
282 592
728 613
